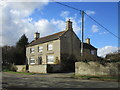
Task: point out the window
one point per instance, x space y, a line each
92 52
50 59
50 47
40 49
32 61
32 50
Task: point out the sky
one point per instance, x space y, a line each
20 18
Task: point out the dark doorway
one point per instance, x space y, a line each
40 60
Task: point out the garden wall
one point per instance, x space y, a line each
21 68
96 69
38 68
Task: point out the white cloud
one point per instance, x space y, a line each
46 27
89 12
95 28
64 13
14 23
106 50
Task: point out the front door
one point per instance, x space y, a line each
40 60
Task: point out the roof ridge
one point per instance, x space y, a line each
51 34
46 38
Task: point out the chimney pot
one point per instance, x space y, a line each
88 40
69 25
36 35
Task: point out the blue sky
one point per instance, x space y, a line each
105 13
50 17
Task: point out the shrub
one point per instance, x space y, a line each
13 68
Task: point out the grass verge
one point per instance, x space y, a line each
27 73
104 78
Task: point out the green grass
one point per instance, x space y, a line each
27 73
115 78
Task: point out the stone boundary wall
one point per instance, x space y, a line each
21 68
96 69
38 68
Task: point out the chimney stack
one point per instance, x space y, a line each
88 40
36 35
69 25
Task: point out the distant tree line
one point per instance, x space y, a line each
15 54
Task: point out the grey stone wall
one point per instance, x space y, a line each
96 69
46 68
38 68
21 68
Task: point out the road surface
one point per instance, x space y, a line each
56 80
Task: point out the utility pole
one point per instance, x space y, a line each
82 48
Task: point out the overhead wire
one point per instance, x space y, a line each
89 17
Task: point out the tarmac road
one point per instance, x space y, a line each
56 80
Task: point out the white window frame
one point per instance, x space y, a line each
50 46
50 59
40 49
32 50
32 59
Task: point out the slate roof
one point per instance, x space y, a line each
55 37
88 46
46 38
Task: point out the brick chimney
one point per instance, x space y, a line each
36 35
69 25
88 40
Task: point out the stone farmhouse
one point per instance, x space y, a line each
50 51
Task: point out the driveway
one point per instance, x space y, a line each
56 80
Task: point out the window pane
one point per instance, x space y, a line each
32 61
32 50
40 49
50 47
92 52
50 59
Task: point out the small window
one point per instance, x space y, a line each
32 50
32 61
40 49
92 52
50 47
50 59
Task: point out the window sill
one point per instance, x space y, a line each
50 51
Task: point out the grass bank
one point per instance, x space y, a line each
103 78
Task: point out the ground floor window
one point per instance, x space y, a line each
32 61
50 59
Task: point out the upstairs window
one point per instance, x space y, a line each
50 47
50 59
40 49
32 50
32 61
92 52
